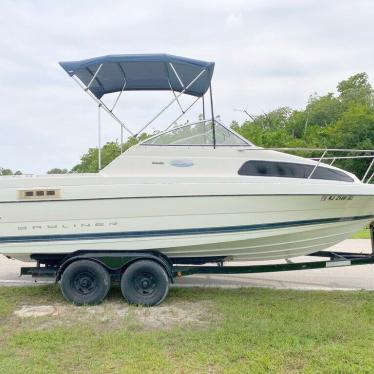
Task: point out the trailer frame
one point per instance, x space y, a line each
117 262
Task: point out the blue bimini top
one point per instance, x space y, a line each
145 72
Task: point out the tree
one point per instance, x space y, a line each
9 172
58 171
345 120
268 129
89 161
110 151
356 90
323 110
354 130
6 171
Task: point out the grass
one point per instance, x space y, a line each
250 331
362 234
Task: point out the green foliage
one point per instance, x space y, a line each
6 172
110 151
269 129
344 120
9 172
89 161
356 90
58 171
323 110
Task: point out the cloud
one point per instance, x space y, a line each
268 54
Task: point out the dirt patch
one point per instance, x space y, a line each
182 313
112 314
28 311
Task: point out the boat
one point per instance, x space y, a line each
196 193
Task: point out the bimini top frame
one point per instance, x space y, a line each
146 72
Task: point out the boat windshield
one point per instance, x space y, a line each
200 133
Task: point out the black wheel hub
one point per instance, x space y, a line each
145 284
84 283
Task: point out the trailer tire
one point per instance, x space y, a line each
145 282
85 282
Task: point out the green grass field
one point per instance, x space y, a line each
362 234
222 331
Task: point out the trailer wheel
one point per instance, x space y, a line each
85 282
145 282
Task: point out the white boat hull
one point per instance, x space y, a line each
241 227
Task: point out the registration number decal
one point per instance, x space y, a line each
336 197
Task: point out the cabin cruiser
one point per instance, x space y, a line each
196 193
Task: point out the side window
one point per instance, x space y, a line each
282 171
263 169
331 174
290 170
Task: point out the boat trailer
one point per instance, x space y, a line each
144 276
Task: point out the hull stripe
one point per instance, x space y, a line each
177 232
173 197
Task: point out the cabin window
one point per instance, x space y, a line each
291 170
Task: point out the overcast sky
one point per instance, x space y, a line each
267 53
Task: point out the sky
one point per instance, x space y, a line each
268 54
